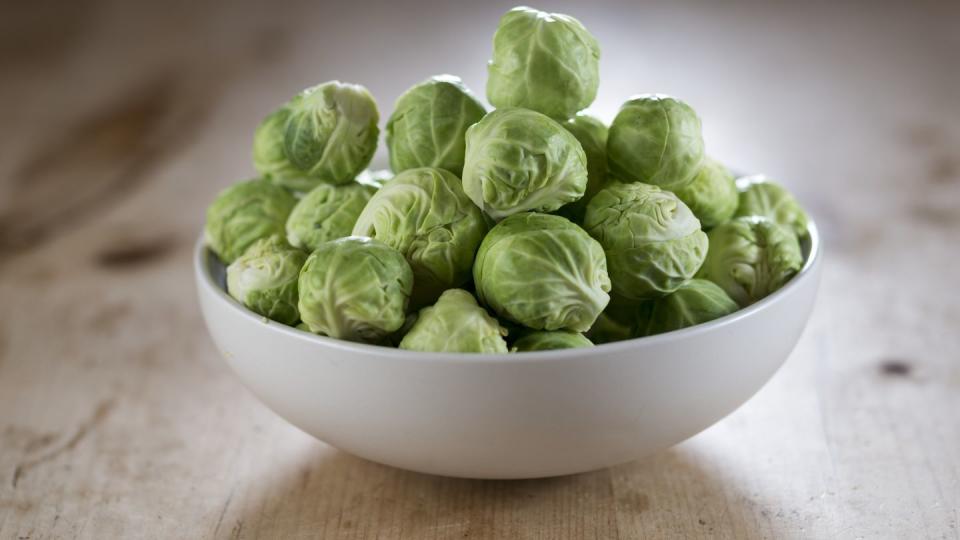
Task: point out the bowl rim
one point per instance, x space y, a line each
206 281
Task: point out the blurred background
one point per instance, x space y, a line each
122 120
813 94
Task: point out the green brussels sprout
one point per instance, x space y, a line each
617 322
652 241
428 125
547 341
519 160
592 135
424 214
546 62
655 139
302 326
696 301
543 272
712 195
607 329
331 131
268 156
751 257
760 196
455 324
326 213
394 338
264 279
355 289
244 213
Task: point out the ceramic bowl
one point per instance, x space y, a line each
509 416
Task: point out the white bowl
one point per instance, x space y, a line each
510 416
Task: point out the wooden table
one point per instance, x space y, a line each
121 122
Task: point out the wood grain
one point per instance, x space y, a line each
122 121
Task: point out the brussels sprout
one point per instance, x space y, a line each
326 213
543 272
606 329
652 241
546 62
655 139
696 301
712 195
268 156
331 131
425 214
751 257
264 279
428 125
303 327
592 135
519 160
394 338
617 322
760 196
546 341
244 213
455 324
355 289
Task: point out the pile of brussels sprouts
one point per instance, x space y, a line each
529 227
